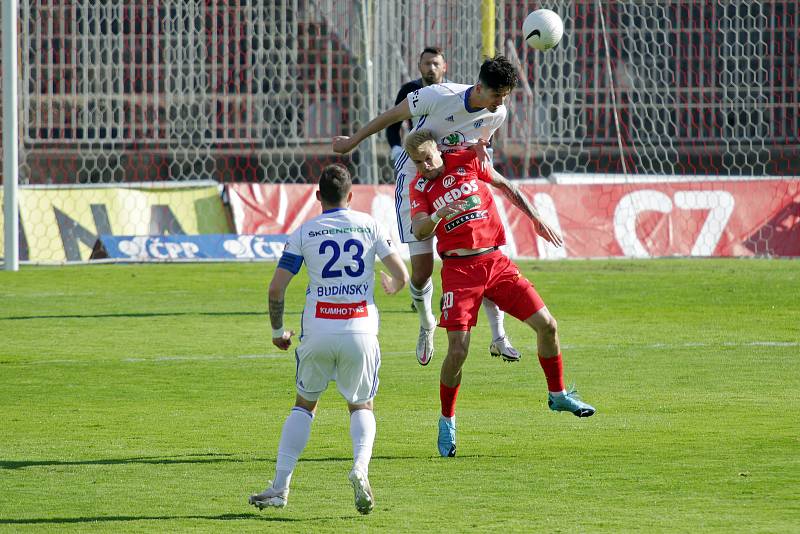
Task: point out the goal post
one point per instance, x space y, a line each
10 136
488 17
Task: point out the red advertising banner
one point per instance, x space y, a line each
637 220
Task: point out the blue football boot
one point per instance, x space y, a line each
569 403
447 437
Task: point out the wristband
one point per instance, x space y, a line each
277 332
435 217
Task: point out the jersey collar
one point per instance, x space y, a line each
335 209
466 102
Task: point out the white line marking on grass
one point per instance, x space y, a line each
289 355
269 356
662 346
153 360
774 344
203 358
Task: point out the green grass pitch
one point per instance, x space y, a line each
149 398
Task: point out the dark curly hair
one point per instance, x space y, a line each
334 183
498 73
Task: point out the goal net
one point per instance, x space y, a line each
150 96
670 87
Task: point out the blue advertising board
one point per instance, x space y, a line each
189 247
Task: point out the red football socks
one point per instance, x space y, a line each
448 397
554 372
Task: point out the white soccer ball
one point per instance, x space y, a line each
543 29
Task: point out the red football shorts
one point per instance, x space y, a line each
466 281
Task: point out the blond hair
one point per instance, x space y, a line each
416 139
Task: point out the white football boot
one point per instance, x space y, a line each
270 497
501 347
362 491
425 345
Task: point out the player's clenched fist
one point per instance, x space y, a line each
454 208
285 341
342 144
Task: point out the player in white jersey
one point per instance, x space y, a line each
339 336
458 115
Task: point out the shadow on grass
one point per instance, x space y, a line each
201 459
122 518
419 457
183 459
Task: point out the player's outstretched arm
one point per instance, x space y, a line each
281 338
393 130
343 144
399 278
515 196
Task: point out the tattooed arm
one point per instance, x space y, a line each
277 293
515 196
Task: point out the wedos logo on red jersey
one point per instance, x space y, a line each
454 194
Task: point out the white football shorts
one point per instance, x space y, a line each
351 360
402 206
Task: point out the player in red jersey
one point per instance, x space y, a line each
450 197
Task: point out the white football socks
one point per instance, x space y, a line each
362 432
422 301
495 316
294 437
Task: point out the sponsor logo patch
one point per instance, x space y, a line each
472 202
452 139
420 185
465 218
335 231
449 181
341 310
